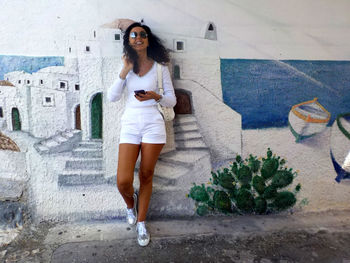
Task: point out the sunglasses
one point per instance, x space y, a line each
142 34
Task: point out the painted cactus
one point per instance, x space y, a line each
248 186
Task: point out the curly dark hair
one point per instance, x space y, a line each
155 50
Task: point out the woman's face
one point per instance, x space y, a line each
138 39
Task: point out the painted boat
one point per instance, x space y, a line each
307 119
340 146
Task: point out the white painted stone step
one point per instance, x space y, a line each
171 202
65 180
50 143
87 152
60 139
42 148
84 163
184 118
82 172
67 134
195 143
188 135
77 203
186 128
166 173
103 202
91 144
185 156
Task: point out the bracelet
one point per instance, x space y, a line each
161 97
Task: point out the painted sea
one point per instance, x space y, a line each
27 63
263 91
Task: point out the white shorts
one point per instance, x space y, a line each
142 125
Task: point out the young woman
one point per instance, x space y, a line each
142 125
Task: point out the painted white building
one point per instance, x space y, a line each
46 100
13 101
195 67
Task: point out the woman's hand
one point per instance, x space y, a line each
148 96
127 66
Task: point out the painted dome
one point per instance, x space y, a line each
7 144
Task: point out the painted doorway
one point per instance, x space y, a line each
77 118
183 105
16 120
96 116
176 72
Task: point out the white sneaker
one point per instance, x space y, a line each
143 237
131 213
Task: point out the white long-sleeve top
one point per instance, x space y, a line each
147 82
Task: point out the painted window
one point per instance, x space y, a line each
116 36
179 45
210 33
77 87
48 100
87 49
1 113
63 85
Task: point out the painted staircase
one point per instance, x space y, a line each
177 170
60 142
85 167
83 193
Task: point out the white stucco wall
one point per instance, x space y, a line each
246 28
13 165
268 29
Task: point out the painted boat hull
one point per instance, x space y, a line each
307 119
340 146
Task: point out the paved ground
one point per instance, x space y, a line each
312 237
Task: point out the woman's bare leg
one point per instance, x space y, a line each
149 156
127 158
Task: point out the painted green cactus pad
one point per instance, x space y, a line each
248 186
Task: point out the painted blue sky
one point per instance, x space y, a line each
27 64
263 91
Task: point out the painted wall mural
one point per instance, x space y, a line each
38 94
264 91
56 106
305 96
7 144
26 63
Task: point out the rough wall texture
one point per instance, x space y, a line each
244 75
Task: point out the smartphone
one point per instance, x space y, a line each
140 91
